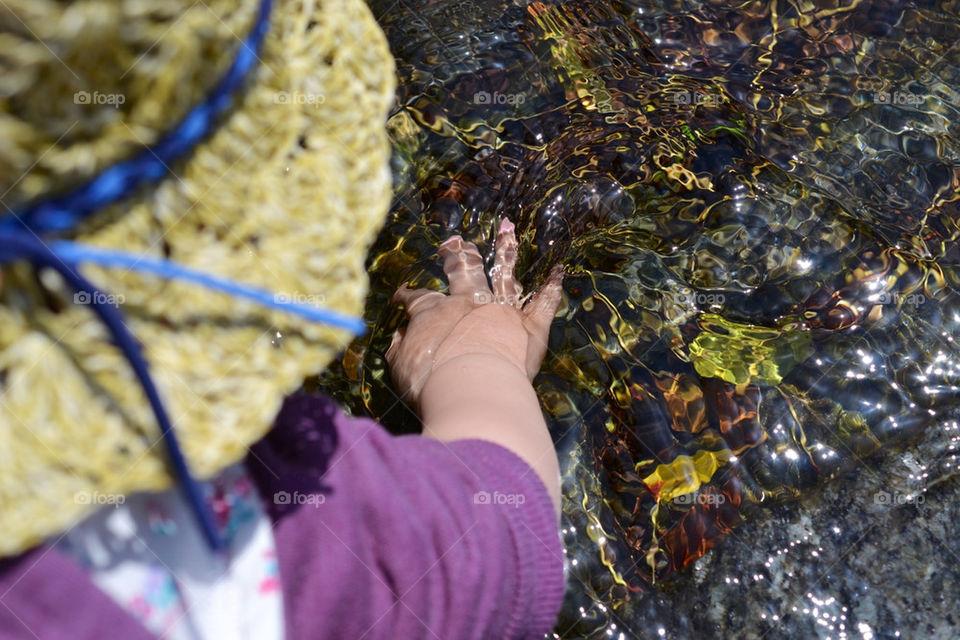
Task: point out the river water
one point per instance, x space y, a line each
752 380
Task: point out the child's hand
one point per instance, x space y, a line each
473 319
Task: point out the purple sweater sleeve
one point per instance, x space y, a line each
412 538
377 537
46 595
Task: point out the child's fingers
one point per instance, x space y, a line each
464 266
538 316
505 286
394 347
416 300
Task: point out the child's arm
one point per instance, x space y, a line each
466 359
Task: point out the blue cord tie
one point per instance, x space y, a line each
71 252
20 239
21 245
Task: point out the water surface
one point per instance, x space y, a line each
756 204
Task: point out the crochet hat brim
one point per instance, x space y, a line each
285 195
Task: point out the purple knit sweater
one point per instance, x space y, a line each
414 539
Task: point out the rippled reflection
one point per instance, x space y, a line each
757 207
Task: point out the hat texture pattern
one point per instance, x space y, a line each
286 194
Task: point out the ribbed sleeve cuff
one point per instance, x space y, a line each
539 551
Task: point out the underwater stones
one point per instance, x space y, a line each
747 229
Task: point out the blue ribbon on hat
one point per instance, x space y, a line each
21 238
65 212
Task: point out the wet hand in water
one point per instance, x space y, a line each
474 318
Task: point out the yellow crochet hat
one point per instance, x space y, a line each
174 154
